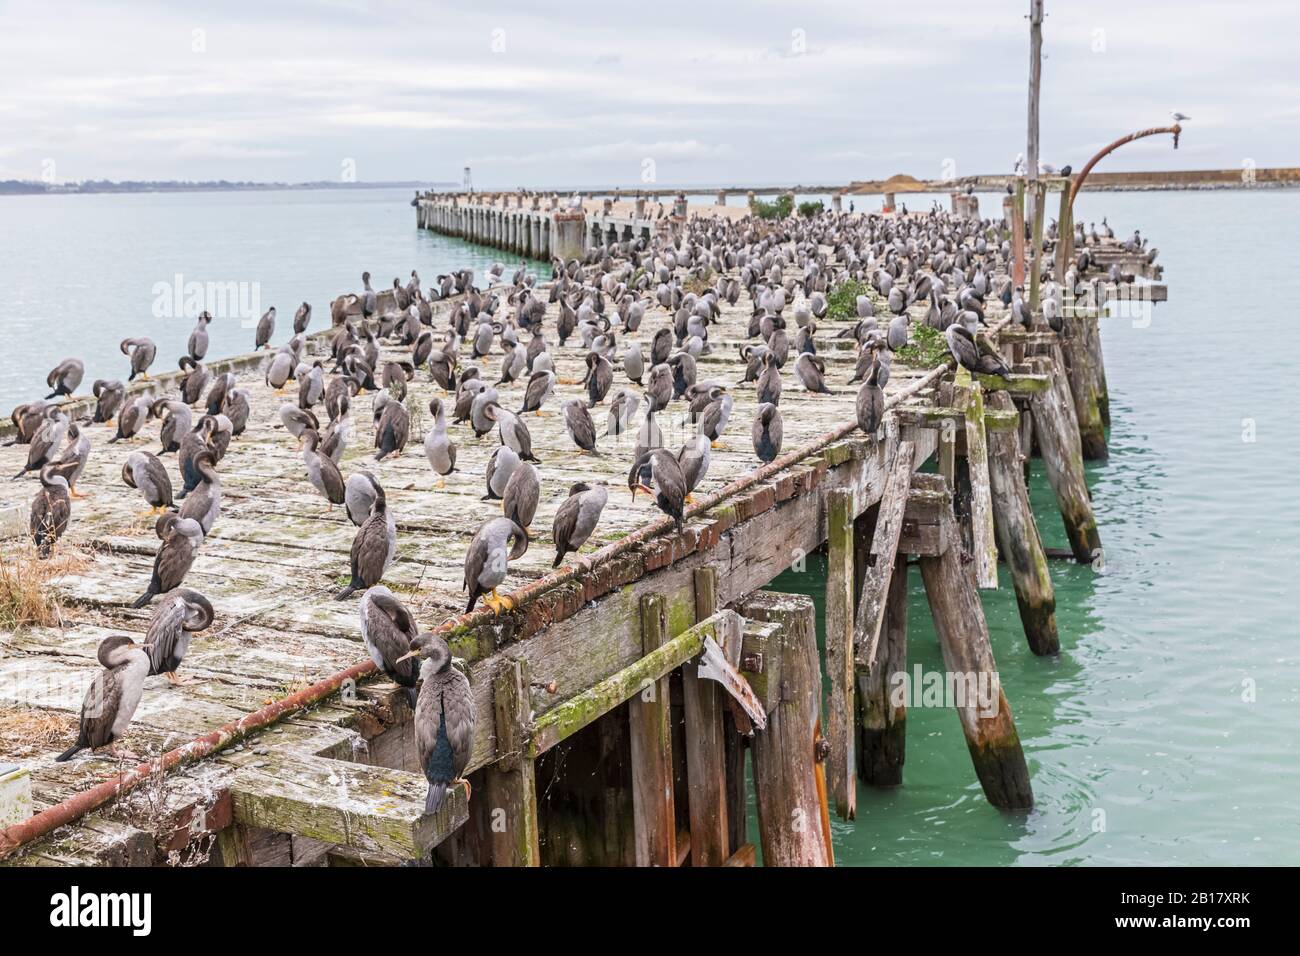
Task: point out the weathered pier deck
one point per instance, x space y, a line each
599 737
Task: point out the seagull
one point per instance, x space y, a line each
1179 117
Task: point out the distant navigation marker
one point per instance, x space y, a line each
469 182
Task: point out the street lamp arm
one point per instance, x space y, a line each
1083 173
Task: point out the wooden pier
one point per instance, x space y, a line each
618 701
553 226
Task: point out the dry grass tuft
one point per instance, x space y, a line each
27 733
27 597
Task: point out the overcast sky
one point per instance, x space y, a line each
604 93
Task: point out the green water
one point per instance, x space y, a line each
1143 743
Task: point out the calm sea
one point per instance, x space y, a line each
1164 733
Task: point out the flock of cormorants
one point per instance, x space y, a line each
956 266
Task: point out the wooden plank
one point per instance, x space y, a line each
511 783
981 704
652 752
565 719
841 767
703 709
1017 383
347 804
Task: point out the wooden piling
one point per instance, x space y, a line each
1064 234
652 756
1083 386
841 767
736 746
883 727
880 629
946 455
705 746
1036 253
511 784
1018 538
1017 224
969 397
1057 430
789 810
991 735
1097 365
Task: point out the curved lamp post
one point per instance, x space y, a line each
1083 173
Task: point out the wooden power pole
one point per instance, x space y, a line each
1034 212
1035 82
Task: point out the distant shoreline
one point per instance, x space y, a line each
15 187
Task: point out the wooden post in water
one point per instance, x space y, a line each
1083 389
785 775
841 767
1018 539
652 751
1057 431
705 746
883 735
1097 366
511 783
982 707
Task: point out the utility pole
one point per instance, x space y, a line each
1035 82
1035 189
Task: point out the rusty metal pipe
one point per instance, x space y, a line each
76 806
1176 129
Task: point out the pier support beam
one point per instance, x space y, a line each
568 234
880 630
1083 387
1097 365
1036 253
1018 538
982 706
1057 431
705 746
652 751
970 398
793 826
841 763
512 837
